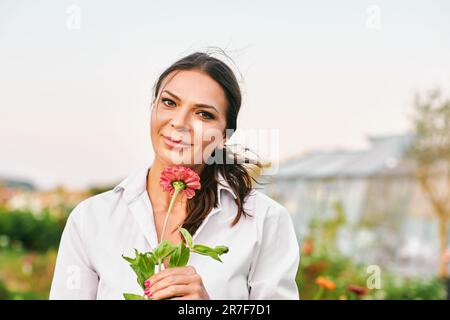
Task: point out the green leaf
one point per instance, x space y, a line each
132 296
207 251
146 267
130 260
187 236
221 249
143 266
163 250
180 256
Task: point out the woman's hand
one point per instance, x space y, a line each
181 283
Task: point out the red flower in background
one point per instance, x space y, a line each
308 247
360 291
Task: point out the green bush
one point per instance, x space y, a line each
31 232
343 272
320 258
413 288
4 293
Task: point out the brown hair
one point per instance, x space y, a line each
232 166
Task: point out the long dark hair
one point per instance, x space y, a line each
233 167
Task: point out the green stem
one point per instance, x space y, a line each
169 210
172 202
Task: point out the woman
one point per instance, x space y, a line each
194 100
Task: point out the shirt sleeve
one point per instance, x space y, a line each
273 272
74 277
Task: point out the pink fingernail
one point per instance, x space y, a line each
147 283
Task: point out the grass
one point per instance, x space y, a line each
27 275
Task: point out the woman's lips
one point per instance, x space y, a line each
175 143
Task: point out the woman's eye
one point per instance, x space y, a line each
206 115
168 102
171 103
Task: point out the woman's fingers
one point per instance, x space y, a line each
171 291
170 272
169 281
180 298
176 283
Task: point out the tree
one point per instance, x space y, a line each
431 153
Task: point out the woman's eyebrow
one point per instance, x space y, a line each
170 93
202 105
206 106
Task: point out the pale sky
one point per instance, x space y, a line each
74 100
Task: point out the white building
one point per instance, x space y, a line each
388 220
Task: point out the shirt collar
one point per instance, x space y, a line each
136 183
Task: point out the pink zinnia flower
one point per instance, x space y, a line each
178 179
182 178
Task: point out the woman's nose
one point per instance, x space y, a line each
180 120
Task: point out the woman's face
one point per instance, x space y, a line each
188 118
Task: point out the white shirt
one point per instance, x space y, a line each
261 263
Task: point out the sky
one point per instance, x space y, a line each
76 76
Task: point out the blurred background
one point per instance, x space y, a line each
352 97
